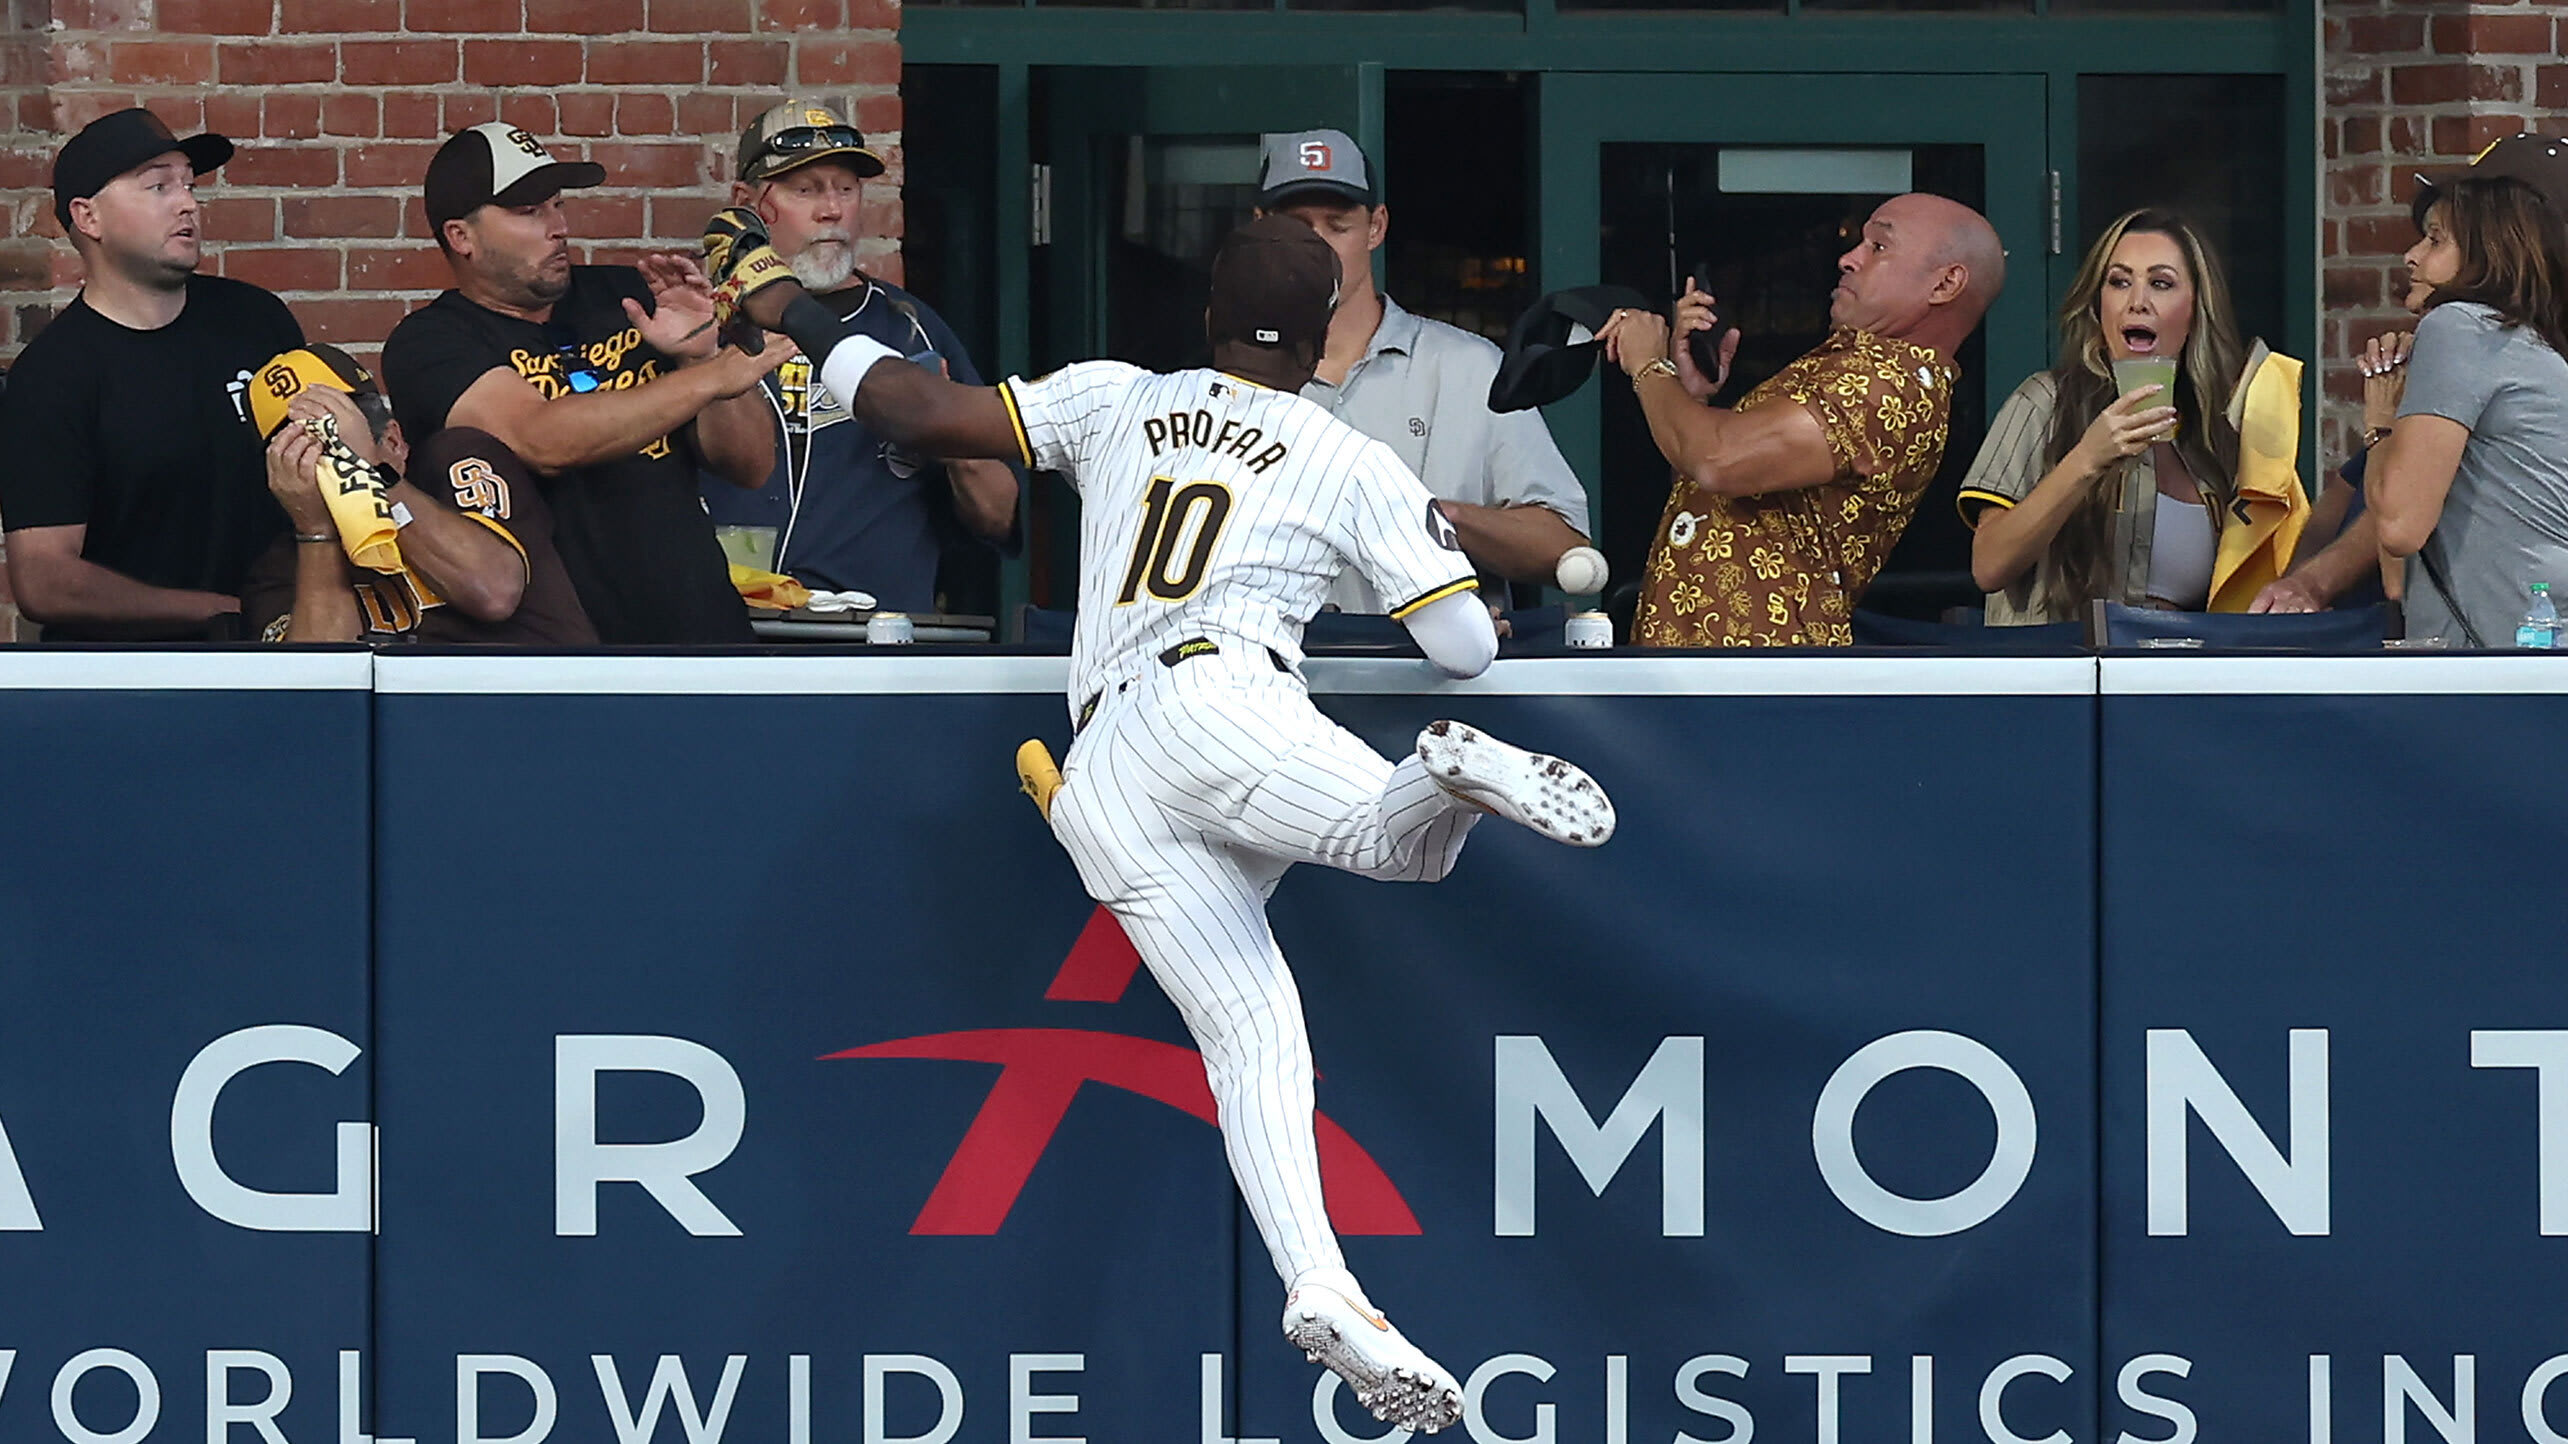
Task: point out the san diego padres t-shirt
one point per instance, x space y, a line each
144 437
1209 504
631 531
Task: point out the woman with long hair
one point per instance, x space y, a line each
2471 484
2081 493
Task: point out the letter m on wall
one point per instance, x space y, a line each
1669 1091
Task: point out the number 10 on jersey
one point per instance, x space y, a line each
1171 514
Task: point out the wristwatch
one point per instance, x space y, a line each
1660 367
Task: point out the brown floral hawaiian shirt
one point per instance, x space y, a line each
1783 569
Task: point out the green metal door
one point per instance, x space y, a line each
1786 159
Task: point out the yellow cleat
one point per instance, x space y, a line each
1037 777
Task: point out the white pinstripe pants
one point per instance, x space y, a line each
1182 803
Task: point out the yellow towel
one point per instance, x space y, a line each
768 590
2265 520
363 514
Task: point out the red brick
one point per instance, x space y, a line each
183 114
218 17
2384 34
232 112
2362 135
596 215
879 114
284 165
397 62
848 62
161 62
801 14
2553 84
2492 34
2446 83
487 16
2404 185
873 14
335 217
338 17
886 267
239 218
2410 135
103 14
26 169
410 114
708 115
533 114
2352 286
2377 236
881 215
639 112
698 17
273 64
762 63
406 268
647 166
292 117
647 62
284 268
389 165
583 17
521 62
2357 185
2362 87
586 112
614 255
2467 135
682 218
344 322
350 113
470 107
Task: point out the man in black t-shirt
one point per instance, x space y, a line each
135 489
610 382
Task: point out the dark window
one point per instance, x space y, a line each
1460 233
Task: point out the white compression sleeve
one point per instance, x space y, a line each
1455 633
844 368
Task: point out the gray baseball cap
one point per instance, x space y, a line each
1310 165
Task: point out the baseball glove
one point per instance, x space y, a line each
740 261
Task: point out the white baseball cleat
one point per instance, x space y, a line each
1555 798
1391 1376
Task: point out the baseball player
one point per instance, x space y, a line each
1218 505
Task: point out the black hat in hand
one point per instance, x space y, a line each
1553 347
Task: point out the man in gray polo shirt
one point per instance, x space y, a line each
1420 386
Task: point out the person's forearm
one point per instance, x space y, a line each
77 590
461 559
737 437
325 595
1686 430
2009 541
2343 562
1520 543
985 496
570 431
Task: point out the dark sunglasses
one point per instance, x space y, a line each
799 138
576 374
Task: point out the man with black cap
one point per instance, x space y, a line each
851 511
1216 508
608 381
1421 387
135 493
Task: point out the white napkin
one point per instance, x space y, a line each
840 602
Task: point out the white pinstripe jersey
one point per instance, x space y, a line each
1216 507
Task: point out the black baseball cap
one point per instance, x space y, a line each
2537 160
496 163
1552 348
114 144
1275 284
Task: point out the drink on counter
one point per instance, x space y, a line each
1588 630
890 629
2539 630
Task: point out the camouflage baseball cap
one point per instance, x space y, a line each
797 133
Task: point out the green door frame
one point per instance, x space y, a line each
2002 114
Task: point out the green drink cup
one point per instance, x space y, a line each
2132 372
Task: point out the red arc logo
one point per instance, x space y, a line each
1041 1070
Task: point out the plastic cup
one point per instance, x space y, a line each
753 547
2132 372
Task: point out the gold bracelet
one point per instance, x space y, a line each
1660 367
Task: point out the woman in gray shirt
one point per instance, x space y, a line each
2472 483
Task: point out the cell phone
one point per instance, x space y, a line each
1705 345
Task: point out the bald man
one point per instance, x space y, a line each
1783 508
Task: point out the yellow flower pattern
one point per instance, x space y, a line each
1885 407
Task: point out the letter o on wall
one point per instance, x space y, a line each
147 1402
1832 1133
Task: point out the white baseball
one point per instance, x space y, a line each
1581 571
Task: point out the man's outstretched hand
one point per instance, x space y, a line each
750 281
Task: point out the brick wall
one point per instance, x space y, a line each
2409 81
337 105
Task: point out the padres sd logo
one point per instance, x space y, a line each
281 380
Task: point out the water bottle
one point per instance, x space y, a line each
2540 629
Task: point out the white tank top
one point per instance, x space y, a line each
2181 549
